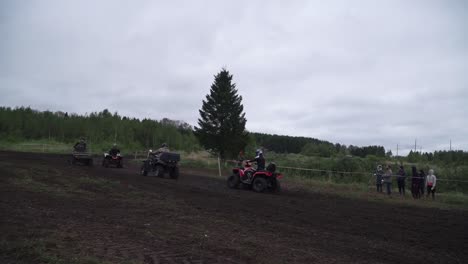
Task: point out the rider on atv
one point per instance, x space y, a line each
114 150
80 145
259 159
163 148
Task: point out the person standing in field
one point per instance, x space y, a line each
415 183
401 180
387 179
422 182
431 181
378 178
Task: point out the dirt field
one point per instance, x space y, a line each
51 212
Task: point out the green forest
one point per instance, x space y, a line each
101 128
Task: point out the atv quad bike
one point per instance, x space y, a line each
161 163
81 156
259 181
115 160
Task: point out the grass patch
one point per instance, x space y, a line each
33 179
40 178
44 146
455 198
447 200
327 186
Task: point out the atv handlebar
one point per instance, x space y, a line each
245 163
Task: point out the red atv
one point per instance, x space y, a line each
114 159
259 180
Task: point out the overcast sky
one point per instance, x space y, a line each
353 72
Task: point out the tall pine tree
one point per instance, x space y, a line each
222 120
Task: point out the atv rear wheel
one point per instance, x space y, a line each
159 171
259 184
275 186
174 173
233 181
143 170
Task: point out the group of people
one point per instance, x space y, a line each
420 182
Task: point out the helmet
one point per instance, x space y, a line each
258 152
379 167
150 150
164 145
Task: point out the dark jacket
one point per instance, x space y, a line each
114 151
378 176
415 177
260 160
422 178
401 175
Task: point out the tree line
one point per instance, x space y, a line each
313 147
24 123
452 157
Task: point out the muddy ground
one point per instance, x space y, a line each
52 212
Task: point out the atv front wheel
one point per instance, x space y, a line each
259 184
159 171
174 173
143 170
233 181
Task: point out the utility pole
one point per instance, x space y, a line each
397 150
450 145
415 145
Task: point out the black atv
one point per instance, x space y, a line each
80 155
161 163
